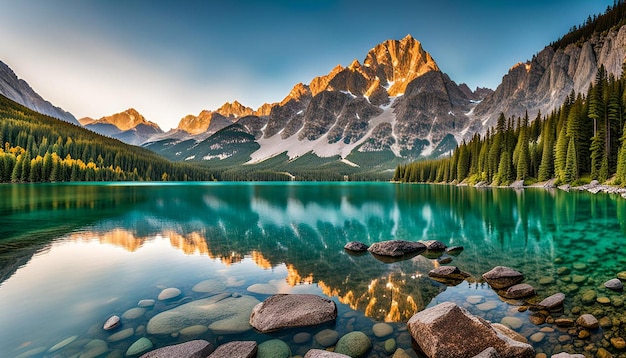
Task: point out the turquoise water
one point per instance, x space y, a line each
73 255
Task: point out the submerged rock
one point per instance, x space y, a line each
447 330
141 345
396 248
382 329
502 277
293 310
209 286
146 303
191 349
488 353
354 344
169 293
222 313
320 353
454 250
274 348
238 349
64 343
356 246
327 337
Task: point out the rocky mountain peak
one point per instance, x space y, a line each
297 92
398 62
234 109
126 120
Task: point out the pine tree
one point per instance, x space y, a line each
571 165
546 168
560 154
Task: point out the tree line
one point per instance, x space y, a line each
583 140
39 148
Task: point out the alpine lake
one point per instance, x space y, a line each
73 255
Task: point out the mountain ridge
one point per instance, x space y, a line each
21 92
128 126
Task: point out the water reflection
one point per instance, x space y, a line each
305 226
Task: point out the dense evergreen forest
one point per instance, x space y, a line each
38 148
584 140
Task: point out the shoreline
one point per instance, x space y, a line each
594 187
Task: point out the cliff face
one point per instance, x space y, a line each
19 91
543 83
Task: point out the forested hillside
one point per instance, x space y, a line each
39 148
583 140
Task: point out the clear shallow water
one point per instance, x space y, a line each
72 255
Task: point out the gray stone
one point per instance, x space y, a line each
64 343
209 286
567 355
447 273
222 313
614 284
274 348
94 348
301 338
146 303
553 302
320 353
447 330
521 290
141 345
588 321
191 349
354 344
293 310
356 246
121 335
501 277
169 293
237 349
327 337
134 313
111 323
488 353
396 248
382 329
434 245
454 250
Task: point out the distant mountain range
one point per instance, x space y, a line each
128 126
394 106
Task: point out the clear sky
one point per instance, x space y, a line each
168 59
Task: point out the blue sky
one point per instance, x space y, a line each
168 59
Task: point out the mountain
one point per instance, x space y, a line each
128 126
396 105
19 91
544 82
40 148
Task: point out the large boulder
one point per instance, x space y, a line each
191 349
449 331
501 277
354 344
397 248
295 310
434 245
222 313
239 349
